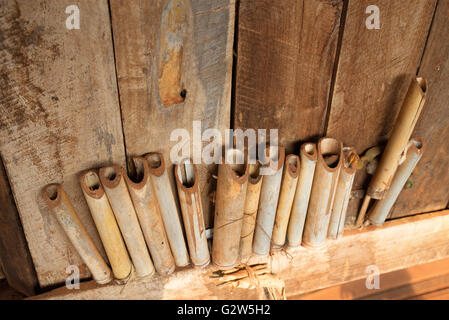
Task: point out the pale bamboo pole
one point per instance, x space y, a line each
323 192
60 205
381 208
405 123
288 189
106 224
308 159
250 210
187 182
114 185
269 196
343 193
228 220
169 209
149 215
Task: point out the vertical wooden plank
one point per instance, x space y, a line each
181 44
429 183
374 71
60 115
16 264
285 58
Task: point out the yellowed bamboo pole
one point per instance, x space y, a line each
106 224
381 208
323 191
169 209
308 159
115 187
60 205
149 215
250 210
405 123
288 189
186 175
343 193
269 196
228 219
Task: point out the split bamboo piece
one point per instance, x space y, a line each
149 215
106 224
59 203
269 196
308 159
228 220
343 193
381 208
186 176
114 185
250 210
405 123
323 192
169 209
286 197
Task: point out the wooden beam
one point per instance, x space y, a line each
398 244
16 264
60 115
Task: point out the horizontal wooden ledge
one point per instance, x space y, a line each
397 244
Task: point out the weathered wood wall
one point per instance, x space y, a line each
306 67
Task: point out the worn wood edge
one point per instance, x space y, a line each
295 268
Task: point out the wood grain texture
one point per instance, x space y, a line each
423 239
285 57
374 71
430 178
16 264
205 75
60 115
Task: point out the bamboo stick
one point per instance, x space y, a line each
381 208
60 205
186 175
343 193
228 219
250 210
288 189
106 224
169 209
323 192
117 192
149 215
308 159
269 196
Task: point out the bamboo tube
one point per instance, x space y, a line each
59 203
228 220
405 123
106 224
288 189
149 215
186 175
381 208
308 159
250 210
343 193
323 192
122 206
169 210
269 196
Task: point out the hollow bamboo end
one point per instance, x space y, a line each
422 84
254 173
91 184
417 145
52 194
110 176
330 153
292 163
156 163
275 156
140 176
309 150
186 175
350 160
239 172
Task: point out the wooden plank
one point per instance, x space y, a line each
430 179
423 239
374 71
16 264
442 294
285 58
144 33
60 115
